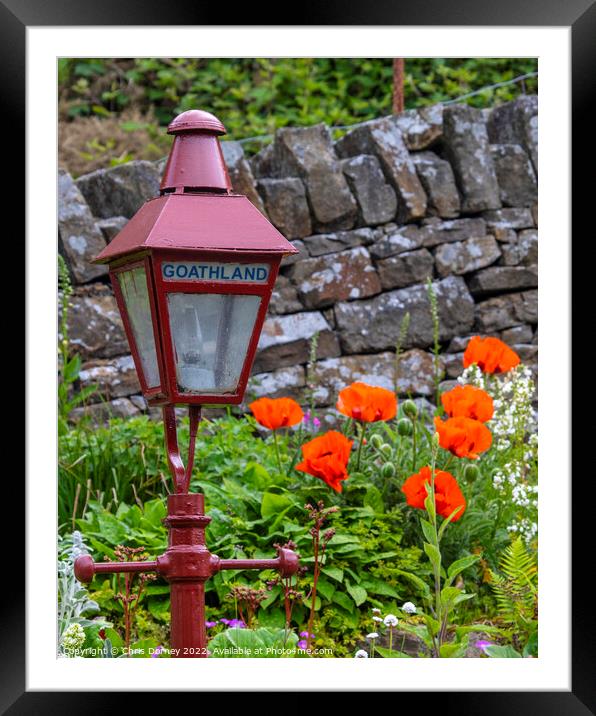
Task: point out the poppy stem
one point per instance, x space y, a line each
297 451
436 565
413 444
277 451
362 431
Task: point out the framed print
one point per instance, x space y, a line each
320 264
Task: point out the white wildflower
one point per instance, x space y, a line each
372 635
409 608
390 620
74 638
514 427
360 654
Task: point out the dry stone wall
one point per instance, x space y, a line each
443 192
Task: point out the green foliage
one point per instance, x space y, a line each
516 590
75 605
255 96
251 503
68 366
258 643
438 373
110 465
497 651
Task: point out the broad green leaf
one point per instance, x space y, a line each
271 597
378 557
451 651
432 624
433 554
152 589
325 588
344 539
348 550
271 618
374 499
114 637
111 528
307 601
415 579
463 597
460 564
474 628
256 475
154 511
429 503
273 504
427 530
378 586
449 519
143 649
280 518
71 369
343 600
496 651
357 593
237 643
355 576
448 596
159 608
100 547
334 572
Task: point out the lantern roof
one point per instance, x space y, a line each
196 119
196 210
216 222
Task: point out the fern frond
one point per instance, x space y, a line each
516 587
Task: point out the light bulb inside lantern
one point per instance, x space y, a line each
211 333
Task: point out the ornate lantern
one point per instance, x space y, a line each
193 272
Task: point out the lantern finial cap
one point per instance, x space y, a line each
195 120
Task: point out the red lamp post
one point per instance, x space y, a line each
193 272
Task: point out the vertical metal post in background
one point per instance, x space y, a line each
398 85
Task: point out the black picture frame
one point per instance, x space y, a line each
580 15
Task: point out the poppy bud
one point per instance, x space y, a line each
471 473
376 441
410 409
404 428
388 470
386 449
436 440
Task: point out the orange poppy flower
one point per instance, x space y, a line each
326 457
367 403
448 496
275 413
490 354
463 437
467 401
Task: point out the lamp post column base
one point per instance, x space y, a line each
188 638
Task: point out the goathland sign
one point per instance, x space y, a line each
210 271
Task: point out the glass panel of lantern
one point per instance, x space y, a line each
210 335
135 292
